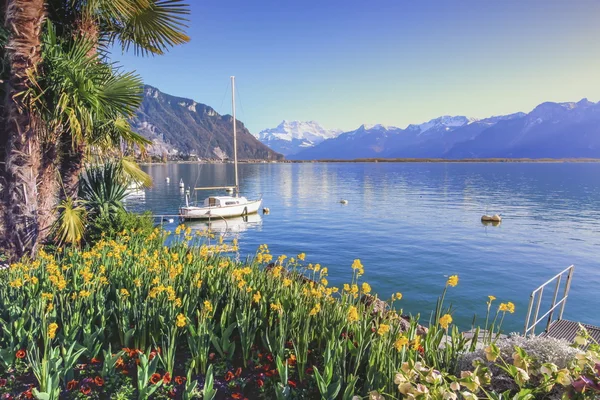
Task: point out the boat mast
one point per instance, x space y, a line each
235 162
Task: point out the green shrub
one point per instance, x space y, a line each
109 225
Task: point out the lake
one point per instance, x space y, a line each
413 224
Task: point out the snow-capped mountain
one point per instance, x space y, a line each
290 137
445 122
551 130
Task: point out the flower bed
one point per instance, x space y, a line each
133 318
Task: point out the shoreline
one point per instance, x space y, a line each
394 160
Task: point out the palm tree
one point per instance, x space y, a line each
84 99
147 26
55 115
23 22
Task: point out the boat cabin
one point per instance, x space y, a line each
222 201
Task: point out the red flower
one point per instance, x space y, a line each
2 382
236 396
125 372
260 383
229 376
270 357
167 378
238 372
291 383
21 354
271 372
152 355
155 378
28 394
211 356
172 393
119 363
309 370
85 389
94 360
71 384
179 380
99 381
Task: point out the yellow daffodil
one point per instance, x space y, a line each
52 330
452 280
445 321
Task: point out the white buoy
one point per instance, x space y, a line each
343 201
167 179
266 210
491 218
181 184
170 220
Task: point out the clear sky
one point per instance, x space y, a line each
395 62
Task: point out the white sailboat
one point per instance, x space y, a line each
223 206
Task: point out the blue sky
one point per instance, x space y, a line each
395 62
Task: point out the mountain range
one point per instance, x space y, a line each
291 137
551 130
182 128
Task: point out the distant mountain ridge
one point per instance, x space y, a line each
290 137
551 130
181 127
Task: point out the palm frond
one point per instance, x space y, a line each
132 171
84 96
70 225
103 189
156 26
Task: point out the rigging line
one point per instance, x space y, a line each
239 100
211 135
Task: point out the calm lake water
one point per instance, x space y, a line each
413 224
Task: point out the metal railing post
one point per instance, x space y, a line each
529 312
553 302
568 287
537 310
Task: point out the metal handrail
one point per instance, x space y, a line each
555 303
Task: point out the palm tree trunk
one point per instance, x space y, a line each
71 165
23 20
48 185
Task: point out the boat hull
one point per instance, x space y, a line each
238 210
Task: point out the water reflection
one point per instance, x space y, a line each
225 226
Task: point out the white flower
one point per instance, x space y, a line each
399 378
421 389
564 377
450 396
405 388
469 396
434 377
455 386
548 368
374 395
522 377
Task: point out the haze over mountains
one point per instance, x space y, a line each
551 130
